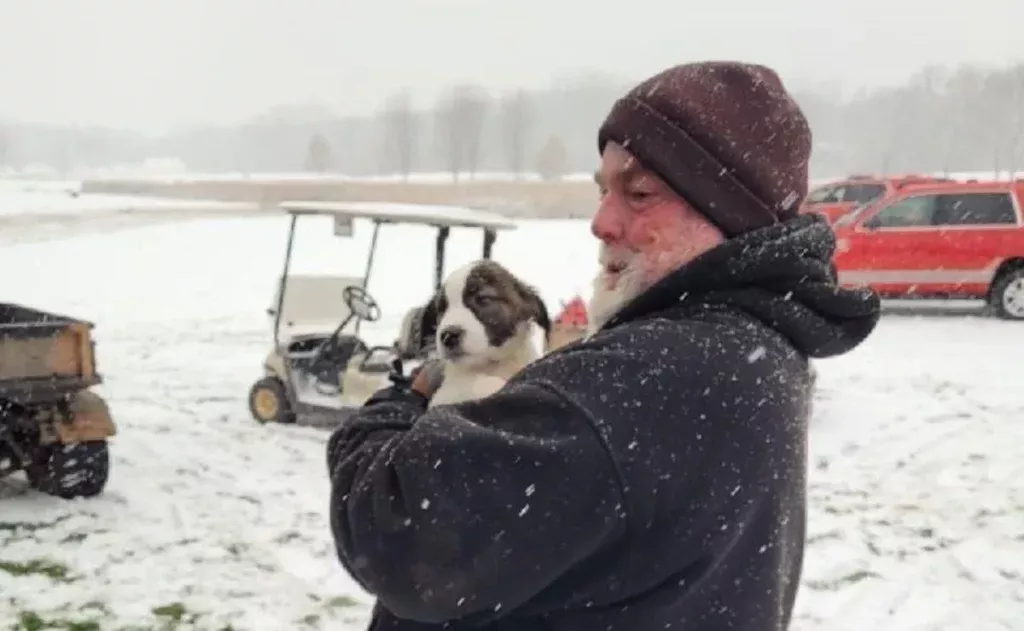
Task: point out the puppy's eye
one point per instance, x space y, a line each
487 299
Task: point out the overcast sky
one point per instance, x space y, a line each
156 64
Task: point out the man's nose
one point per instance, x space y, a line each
607 223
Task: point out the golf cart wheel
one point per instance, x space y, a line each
70 470
268 402
1008 295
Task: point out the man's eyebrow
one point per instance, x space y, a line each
630 172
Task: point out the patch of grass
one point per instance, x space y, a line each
824 536
174 614
56 571
341 602
31 621
174 544
174 611
27 526
842 581
237 549
95 605
287 537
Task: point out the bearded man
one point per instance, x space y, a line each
651 476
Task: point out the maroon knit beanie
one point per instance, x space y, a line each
726 136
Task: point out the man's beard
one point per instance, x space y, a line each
621 276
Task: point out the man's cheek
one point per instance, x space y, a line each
643 236
653 239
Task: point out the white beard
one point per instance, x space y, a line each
605 302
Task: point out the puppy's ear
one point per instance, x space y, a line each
430 318
537 309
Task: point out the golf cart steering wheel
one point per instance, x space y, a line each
360 303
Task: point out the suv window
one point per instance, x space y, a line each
909 212
863 193
842 193
972 209
820 195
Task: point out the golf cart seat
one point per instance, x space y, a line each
312 303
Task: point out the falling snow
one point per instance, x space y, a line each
916 481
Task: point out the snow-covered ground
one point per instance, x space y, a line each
41 209
917 481
51 203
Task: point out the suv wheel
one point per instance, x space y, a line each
1008 295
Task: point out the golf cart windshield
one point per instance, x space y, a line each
344 214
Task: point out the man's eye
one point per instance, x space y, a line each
640 195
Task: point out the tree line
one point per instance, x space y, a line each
968 118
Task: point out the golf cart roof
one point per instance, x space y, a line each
402 213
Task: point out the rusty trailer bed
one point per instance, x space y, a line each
43 355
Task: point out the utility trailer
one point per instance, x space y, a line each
52 426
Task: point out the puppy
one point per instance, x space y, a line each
484 330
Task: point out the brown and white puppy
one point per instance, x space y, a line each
485 318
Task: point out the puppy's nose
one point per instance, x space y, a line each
451 336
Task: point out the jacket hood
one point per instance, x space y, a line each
781 275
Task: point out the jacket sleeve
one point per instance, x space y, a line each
467 511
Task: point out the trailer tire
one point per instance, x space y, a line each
70 470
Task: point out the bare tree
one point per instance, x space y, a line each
516 119
460 118
318 154
399 126
1017 125
553 160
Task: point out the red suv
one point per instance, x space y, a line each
835 199
955 240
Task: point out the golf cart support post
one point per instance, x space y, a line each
276 397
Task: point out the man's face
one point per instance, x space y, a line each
646 231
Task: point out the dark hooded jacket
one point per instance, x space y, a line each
650 477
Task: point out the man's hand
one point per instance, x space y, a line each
427 378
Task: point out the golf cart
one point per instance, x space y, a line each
320 369
51 425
